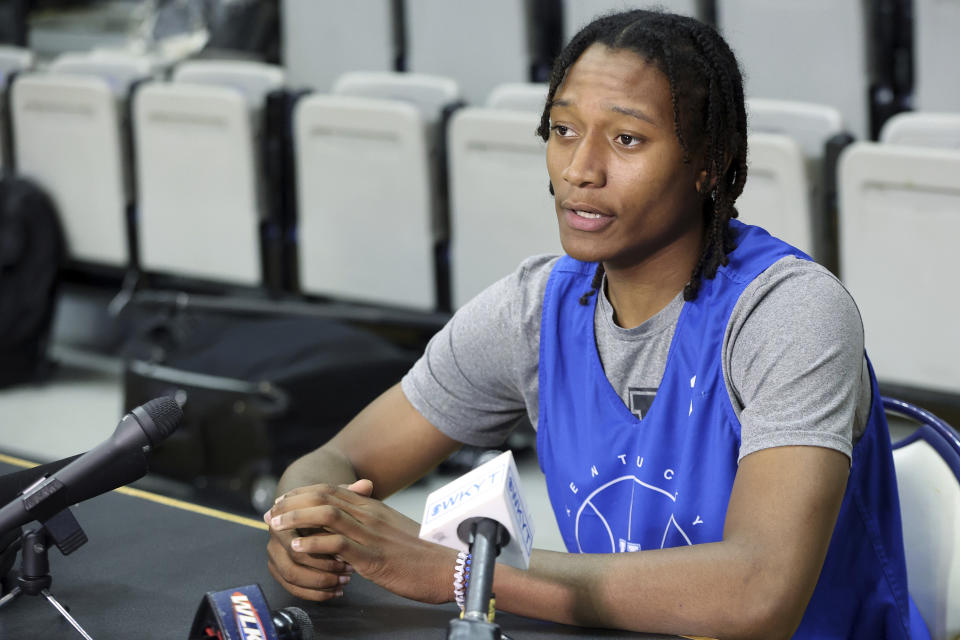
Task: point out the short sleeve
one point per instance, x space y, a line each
473 380
793 359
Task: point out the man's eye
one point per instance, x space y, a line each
561 130
628 140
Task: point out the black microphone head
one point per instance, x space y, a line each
159 417
293 623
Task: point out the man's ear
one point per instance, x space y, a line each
701 181
702 187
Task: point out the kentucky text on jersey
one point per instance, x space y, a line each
248 622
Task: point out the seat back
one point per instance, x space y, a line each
810 124
777 193
927 464
935 27
436 97
519 96
899 221
754 29
67 138
501 210
429 93
452 38
199 209
252 79
119 70
363 201
923 129
12 61
322 40
813 127
577 13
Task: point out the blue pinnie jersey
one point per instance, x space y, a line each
618 483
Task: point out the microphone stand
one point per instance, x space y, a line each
486 537
64 531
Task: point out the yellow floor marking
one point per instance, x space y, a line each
153 497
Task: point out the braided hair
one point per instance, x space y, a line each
706 88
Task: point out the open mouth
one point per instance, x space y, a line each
588 214
585 218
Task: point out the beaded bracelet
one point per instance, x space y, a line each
461 577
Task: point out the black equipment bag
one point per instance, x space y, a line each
257 393
31 255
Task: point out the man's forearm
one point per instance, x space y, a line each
706 589
324 465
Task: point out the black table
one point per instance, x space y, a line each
149 561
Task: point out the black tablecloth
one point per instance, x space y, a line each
147 565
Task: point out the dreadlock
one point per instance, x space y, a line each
706 89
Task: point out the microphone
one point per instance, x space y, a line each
13 484
242 613
119 460
490 491
485 510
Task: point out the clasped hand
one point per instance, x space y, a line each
321 534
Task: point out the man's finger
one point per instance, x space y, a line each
316 595
361 487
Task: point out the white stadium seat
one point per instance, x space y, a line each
770 54
899 224
480 45
923 129
12 60
118 69
67 138
812 126
435 97
364 201
322 40
519 96
501 211
253 79
429 93
577 13
777 193
935 27
199 208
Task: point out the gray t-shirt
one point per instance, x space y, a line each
793 359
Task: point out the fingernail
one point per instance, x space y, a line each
279 498
348 567
266 517
344 579
275 522
338 594
296 544
339 558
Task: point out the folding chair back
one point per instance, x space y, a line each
501 210
200 212
67 138
363 201
928 480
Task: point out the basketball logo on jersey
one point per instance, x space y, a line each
628 513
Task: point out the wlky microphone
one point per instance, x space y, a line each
482 511
242 614
119 460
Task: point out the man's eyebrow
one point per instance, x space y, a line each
640 115
635 113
